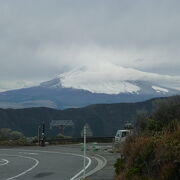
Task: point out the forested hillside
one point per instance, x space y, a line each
104 119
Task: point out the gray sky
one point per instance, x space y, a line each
40 39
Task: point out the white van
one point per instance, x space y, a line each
121 135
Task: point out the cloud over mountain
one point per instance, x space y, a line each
40 39
112 79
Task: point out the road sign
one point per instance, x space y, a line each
61 124
89 132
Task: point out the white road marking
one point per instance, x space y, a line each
24 172
28 153
97 168
105 160
101 164
80 172
73 154
4 162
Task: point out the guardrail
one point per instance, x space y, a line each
79 140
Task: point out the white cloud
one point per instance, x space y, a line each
40 39
8 85
110 78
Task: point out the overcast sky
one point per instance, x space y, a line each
40 39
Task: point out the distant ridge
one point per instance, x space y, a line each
103 119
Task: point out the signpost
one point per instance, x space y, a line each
62 124
84 174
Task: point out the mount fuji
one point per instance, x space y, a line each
85 85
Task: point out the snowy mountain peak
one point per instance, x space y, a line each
109 78
160 89
106 83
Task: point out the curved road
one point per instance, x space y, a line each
49 163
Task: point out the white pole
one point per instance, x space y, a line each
84 175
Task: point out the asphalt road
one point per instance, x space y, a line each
47 163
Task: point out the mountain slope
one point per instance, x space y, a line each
63 98
84 86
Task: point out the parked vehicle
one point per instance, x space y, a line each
121 135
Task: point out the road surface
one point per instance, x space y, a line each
47 163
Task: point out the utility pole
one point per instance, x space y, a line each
84 174
39 129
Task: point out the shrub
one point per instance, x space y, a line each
119 165
8 134
154 156
11 138
154 152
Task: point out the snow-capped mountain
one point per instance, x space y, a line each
111 79
105 83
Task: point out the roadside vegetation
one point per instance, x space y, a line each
153 152
9 137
